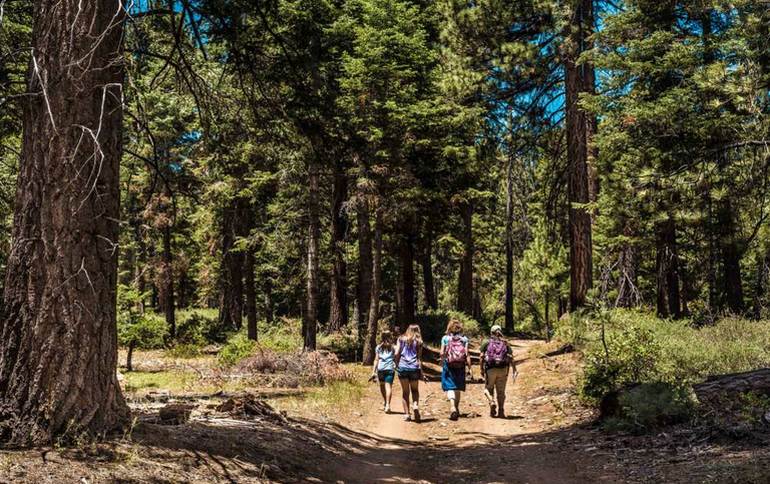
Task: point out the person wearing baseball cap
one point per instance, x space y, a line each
496 360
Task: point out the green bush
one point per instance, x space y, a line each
433 324
629 358
199 327
343 344
284 335
143 331
238 346
652 405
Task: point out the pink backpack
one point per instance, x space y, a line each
456 352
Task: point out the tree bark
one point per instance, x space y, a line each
731 257
465 279
267 288
407 312
667 262
628 294
231 295
426 260
251 297
509 327
58 348
374 305
364 290
579 80
310 319
716 388
339 282
169 304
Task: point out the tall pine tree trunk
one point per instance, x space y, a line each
251 297
465 279
731 257
667 262
628 294
169 304
407 310
364 289
231 291
58 350
310 317
579 80
339 281
426 261
509 328
376 285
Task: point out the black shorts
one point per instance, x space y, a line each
410 374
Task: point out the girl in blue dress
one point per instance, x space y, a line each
455 362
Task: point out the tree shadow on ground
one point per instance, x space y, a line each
237 451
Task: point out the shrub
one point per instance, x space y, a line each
629 358
652 405
199 327
284 335
143 331
344 344
433 324
236 348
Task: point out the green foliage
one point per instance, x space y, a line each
147 331
238 347
433 324
284 336
629 357
199 327
650 405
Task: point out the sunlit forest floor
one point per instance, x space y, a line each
338 433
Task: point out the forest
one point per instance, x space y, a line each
228 201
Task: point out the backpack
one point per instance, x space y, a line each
456 353
496 355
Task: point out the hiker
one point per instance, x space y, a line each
496 359
409 368
455 361
384 368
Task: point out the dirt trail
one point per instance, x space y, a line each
522 448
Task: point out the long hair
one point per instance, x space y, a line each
454 327
412 334
386 339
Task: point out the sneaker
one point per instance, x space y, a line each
387 409
407 418
417 415
493 411
454 416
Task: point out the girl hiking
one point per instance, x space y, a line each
455 361
409 367
496 359
384 368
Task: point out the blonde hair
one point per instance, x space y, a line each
454 327
412 334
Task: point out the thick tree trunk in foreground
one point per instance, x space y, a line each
251 297
310 319
465 278
374 306
426 260
579 79
339 282
364 290
58 352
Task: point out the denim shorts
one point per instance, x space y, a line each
411 374
385 376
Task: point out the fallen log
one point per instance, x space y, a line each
719 386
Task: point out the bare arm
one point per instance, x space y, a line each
376 362
397 356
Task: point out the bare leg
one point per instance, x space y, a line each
388 396
415 387
384 395
405 395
